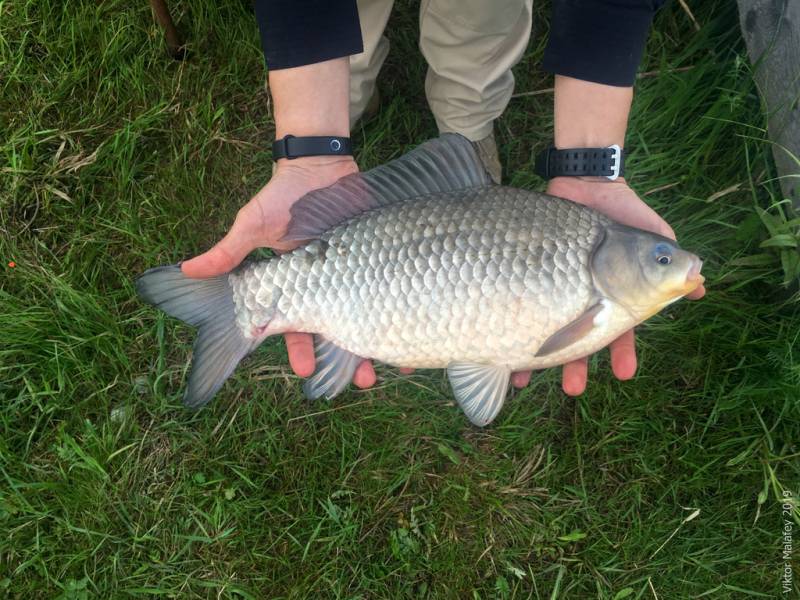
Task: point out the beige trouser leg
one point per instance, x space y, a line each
470 46
364 67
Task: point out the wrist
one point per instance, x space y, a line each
316 167
587 189
580 182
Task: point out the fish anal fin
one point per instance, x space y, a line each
334 370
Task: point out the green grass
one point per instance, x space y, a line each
114 158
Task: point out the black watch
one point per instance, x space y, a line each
294 147
581 162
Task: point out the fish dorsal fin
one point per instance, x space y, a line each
443 164
335 368
574 331
479 389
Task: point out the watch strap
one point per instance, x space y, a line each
581 162
294 147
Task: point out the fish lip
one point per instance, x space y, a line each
693 276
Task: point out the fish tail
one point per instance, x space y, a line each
208 305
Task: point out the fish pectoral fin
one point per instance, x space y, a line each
479 389
573 332
334 371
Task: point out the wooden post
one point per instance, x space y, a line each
174 43
771 30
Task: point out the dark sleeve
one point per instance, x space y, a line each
599 40
302 32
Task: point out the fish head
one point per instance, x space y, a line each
644 271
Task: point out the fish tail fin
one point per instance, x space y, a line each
208 305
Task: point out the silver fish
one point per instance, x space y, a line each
423 262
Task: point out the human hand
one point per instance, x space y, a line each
262 223
618 201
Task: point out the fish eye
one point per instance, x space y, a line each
663 254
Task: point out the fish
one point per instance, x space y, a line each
424 262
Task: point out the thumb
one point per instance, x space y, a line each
223 257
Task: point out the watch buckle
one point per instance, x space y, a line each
283 144
617 164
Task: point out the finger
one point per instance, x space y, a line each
665 230
623 356
223 257
520 379
406 371
364 376
300 347
697 293
574 375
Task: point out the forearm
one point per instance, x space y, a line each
312 99
307 44
588 114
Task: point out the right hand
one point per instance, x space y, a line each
262 223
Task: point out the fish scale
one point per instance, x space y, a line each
494 272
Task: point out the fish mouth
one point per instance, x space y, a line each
693 277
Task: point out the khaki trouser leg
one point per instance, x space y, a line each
470 46
364 67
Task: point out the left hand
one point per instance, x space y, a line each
618 201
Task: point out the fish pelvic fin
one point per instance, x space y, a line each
208 305
444 164
480 390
